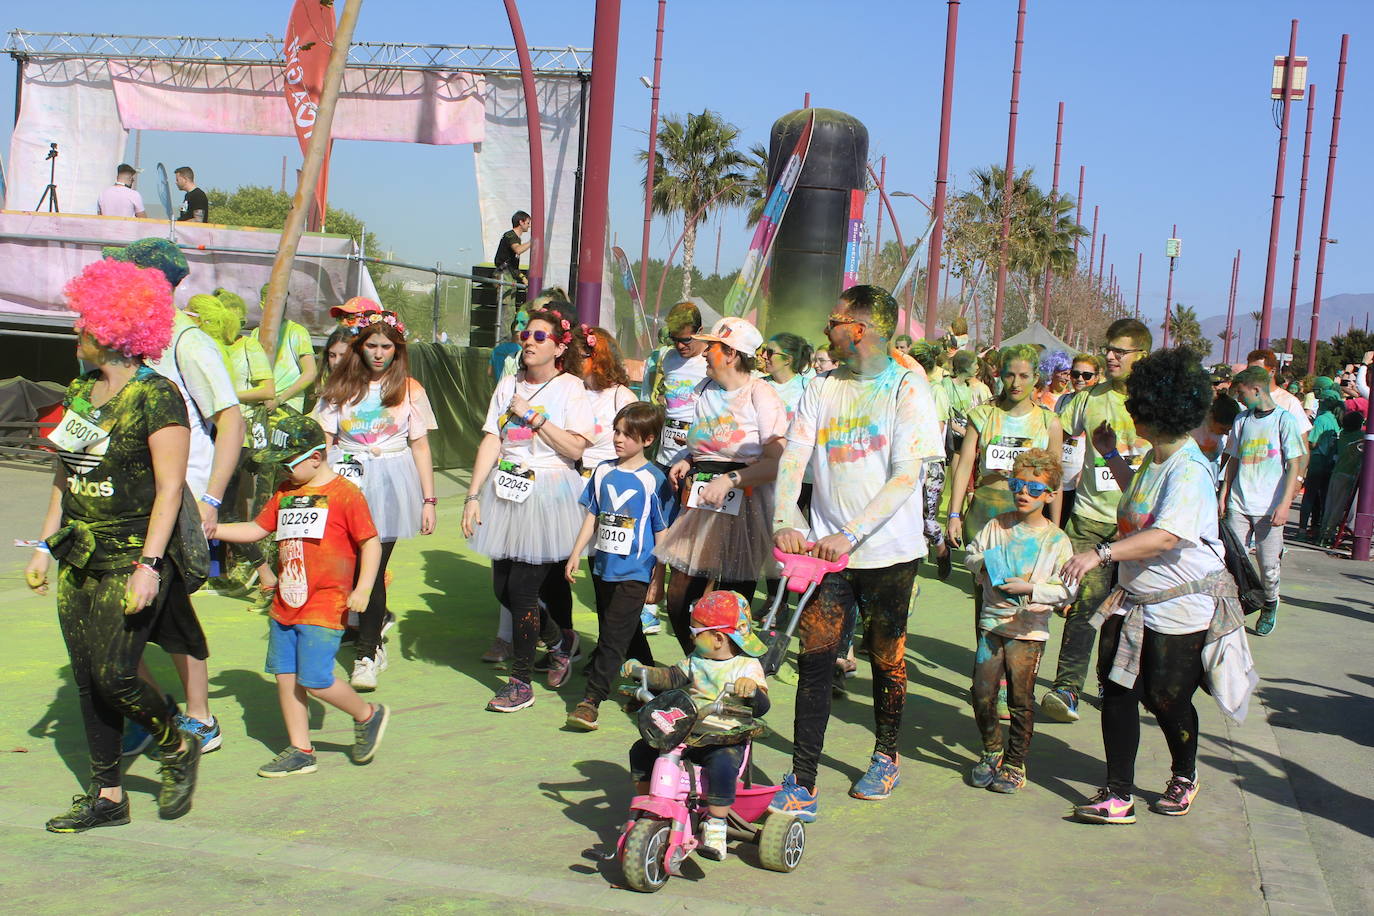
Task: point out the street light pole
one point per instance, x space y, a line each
653 143
1139 269
1172 249
535 276
1007 184
1326 208
1054 196
1267 305
1302 208
1092 247
937 232
1078 217
878 232
1231 307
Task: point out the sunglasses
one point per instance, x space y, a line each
1035 488
1118 352
697 631
1086 376
768 352
836 322
679 341
539 336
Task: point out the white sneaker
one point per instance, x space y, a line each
713 839
381 659
364 674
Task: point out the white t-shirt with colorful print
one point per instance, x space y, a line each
563 400
606 403
1261 445
371 426
735 425
677 383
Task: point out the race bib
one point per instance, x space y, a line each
350 468
614 533
512 482
730 505
674 439
305 517
1105 480
77 434
1073 453
1002 456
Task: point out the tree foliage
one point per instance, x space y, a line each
1186 331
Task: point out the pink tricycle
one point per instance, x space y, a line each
664 826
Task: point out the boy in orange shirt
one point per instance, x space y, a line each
324 535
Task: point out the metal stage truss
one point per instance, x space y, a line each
266 51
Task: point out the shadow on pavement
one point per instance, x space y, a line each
460 620
256 696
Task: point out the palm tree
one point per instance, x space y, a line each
696 166
757 165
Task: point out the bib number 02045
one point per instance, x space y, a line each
512 482
730 505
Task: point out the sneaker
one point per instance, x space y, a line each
1009 779
367 736
713 839
793 799
560 668
882 777
1106 807
847 667
388 622
500 651
1268 618
514 696
648 620
291 762
985 770
89 811
364 674
208 732
549 633
583 717
1178 796
178 772
944 565
137 738
1060 704
571 645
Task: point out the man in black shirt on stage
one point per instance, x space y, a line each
196 206
508 252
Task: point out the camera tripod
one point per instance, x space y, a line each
50 192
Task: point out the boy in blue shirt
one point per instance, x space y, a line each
628 502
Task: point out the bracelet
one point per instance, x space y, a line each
430 501
42 547
471 498
853 538
542 420
211 501
1110 455
528 415
954 515
156 574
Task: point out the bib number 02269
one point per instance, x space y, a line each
301 523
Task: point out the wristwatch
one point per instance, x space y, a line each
1104 551
733 476
153 563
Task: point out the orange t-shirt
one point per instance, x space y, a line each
315 575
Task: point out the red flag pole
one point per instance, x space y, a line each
1302 209
1000 302
1231 307
1326 209
1139 269
1267 305
937 232
535 278
653 142
1054 196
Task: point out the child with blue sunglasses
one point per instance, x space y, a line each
1016 559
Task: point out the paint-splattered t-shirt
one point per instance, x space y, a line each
736 425
110 480
790 392
1002 436
675 387
562 400
369 426
1098 491
1005 549
1177 496
856 430
1261 445
315 575
709 678
606 403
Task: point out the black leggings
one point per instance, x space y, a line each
104 645
1013 661
1170 673
619 634
685 590
519 586
372 620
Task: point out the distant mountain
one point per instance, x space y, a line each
1344 309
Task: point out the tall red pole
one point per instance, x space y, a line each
1054 196
1003 252
1302 208
1092 249
1078 217
535 277
1169 295
1267 306
1139 269
1231 307
937 232
1326 209
882 185
596 186
653 143
1101 261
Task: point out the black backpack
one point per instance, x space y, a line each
1249 583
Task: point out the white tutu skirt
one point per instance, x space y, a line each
715 545
392 487
542 529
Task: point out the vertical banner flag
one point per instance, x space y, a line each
854 239
627 277
306 48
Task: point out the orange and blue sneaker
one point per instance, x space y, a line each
1106 807
882 777
794 800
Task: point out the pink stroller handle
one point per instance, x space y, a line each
800 570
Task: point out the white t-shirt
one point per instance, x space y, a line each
205 384
856 430
563 400
1176 496
1261 445
369 427
119 200
735 425
790 391
678 380
1289 402
606 403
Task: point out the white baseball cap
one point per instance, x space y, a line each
736 333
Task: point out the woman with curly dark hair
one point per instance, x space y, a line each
1174 597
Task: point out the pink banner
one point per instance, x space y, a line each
404 106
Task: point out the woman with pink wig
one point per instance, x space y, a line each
112 519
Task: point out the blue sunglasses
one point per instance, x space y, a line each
1034 487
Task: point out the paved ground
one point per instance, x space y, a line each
467 810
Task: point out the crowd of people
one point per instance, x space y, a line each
1089 487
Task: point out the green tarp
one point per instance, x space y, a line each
456 380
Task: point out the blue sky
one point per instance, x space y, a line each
1166 104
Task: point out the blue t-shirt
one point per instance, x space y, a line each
631 507
499 354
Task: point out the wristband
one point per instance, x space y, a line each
430 501
528 415
156 575
211 501
954 515
543 419
853 538
1110 455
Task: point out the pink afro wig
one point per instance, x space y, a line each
123 307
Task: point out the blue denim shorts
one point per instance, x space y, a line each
304 650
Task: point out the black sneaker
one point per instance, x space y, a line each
89 811
944 564
178 773
367 736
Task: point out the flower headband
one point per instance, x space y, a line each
589 336
356 324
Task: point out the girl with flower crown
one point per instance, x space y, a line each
377 420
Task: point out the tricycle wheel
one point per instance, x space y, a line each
781 842
645 848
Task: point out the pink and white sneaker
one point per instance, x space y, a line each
1106 807
1178 796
